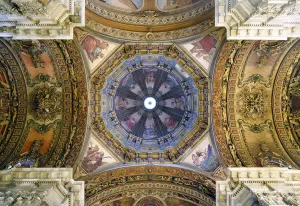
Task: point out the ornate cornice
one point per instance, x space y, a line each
145 34
194 13
113 180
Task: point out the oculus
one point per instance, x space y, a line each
150 103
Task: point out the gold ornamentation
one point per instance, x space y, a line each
251 102
45 102
268 158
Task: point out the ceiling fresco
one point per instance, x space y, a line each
43 103
122 120
151 103
254 112
94 49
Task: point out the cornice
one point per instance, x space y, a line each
159 18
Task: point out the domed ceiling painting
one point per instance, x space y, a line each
151 103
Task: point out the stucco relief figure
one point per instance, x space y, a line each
94 47
295 86
204 48
205 159
268 158
45 102
93 159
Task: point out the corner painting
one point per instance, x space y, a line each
96 50
203 156
95 156
203 50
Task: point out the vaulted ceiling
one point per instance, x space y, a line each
80 103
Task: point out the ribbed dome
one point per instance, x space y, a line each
150 102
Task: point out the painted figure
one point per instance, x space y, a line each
129 123
93 159
178 103
174 4
204 48
170 123
121 102
149 132
149 77
94 47
126 4
206 160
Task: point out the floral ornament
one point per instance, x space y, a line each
45 102
251 102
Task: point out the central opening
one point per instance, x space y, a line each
149 103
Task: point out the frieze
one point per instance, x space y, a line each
16 118
282 107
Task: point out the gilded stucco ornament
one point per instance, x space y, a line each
140 182
45 102
255 105
251 102
40 99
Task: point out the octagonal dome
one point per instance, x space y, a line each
151 102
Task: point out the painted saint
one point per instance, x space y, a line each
170 123
204 48
121 102
93 159
206 159
94 47
129 123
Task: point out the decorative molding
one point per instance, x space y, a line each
149 35
160 18
156 178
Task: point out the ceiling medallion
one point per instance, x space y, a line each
151 103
